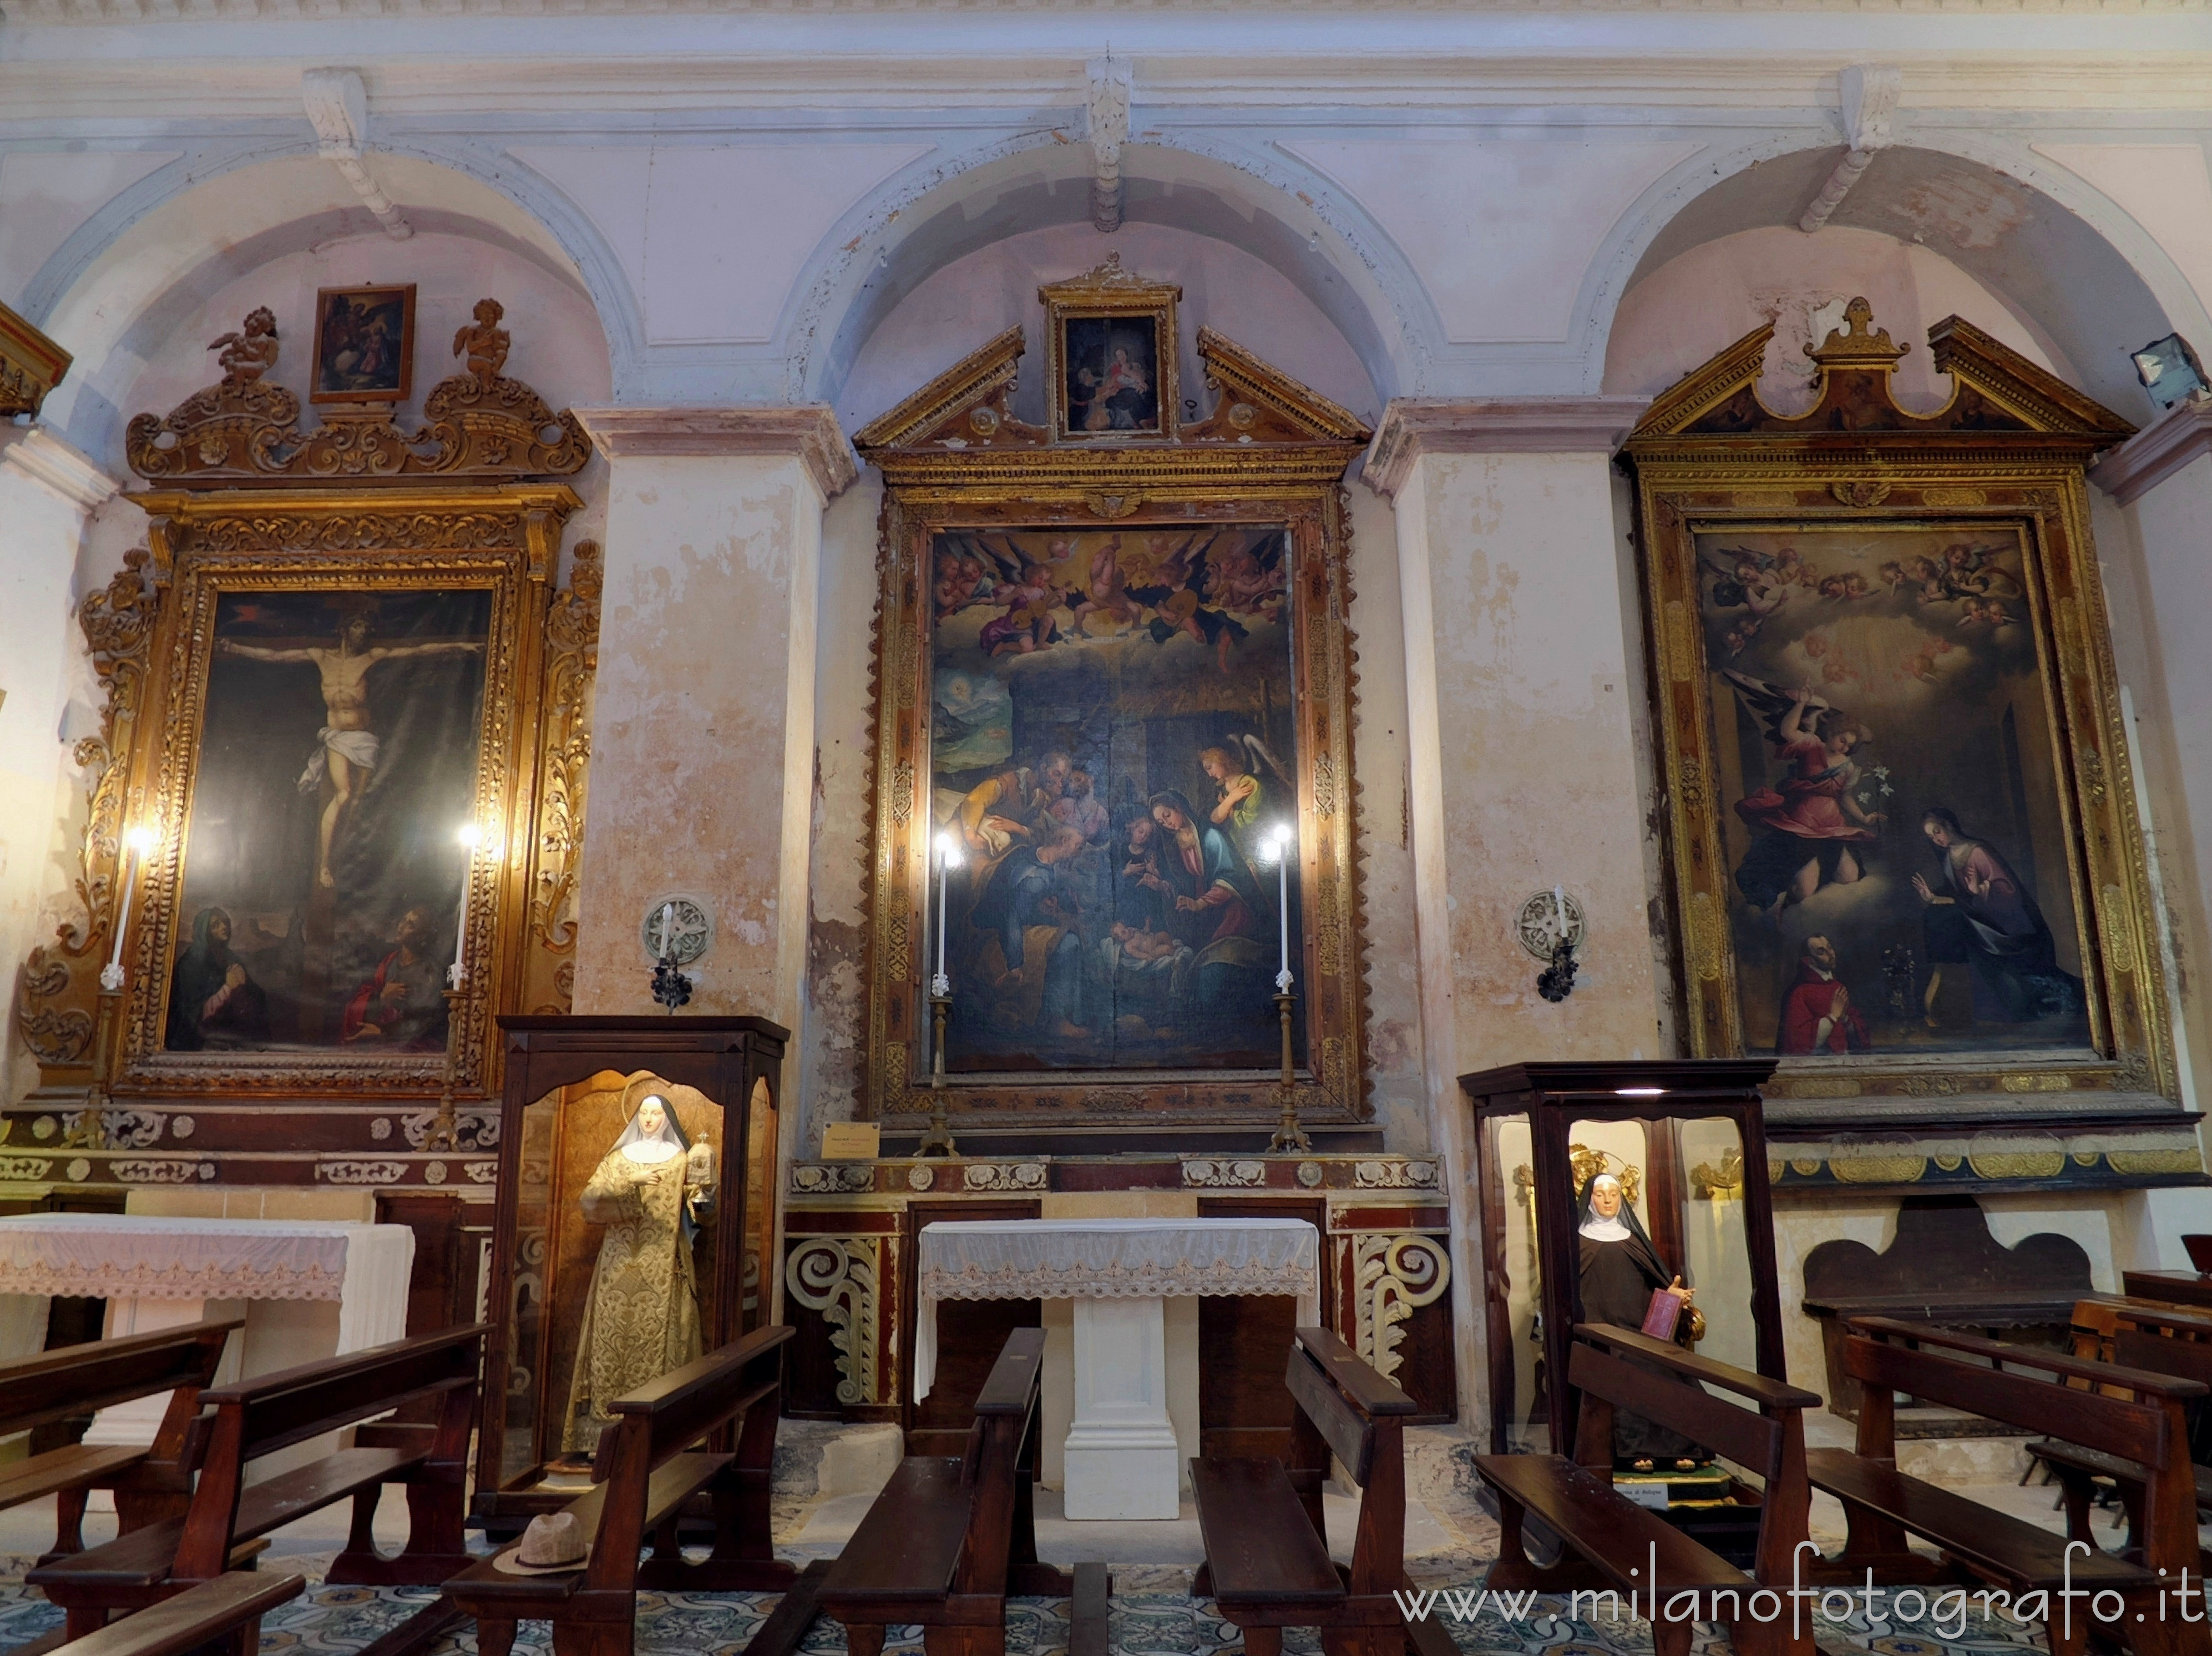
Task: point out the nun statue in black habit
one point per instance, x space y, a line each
1620 1269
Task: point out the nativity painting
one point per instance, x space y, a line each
1112 737
322 872
1897 845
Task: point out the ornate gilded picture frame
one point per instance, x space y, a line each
1054 614
343 747
1906 853
1110 350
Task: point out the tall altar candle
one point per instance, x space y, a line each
948 856
136 844
458 975
1284 841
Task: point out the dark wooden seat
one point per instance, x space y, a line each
648 1471
74 1381
1620 1547
1267 1565
223 1616
226 1517
2127 1412
2142 1334
950 1537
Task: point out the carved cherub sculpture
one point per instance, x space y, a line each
249 353
484 342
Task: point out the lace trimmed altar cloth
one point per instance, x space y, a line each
1108 1259
158 1272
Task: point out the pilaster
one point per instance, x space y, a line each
703 726
1523 766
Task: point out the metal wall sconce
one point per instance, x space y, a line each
1550 926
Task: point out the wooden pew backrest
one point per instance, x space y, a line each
689 1403
2133 1428
1327 1379
274 1411
78 1380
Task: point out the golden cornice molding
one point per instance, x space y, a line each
2181 434
1414 426
31 365
809 432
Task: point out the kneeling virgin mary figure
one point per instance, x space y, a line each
1620 1269
641 1318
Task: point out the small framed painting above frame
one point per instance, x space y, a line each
1110 356
1906 857
364 345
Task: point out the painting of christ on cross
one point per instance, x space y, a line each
322 868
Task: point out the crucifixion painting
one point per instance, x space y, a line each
338 759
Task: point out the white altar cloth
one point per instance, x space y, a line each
1120 1460
158 1272
1108 1259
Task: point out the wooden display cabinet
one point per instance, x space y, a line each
571 1085
1688 1139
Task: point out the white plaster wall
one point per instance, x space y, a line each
974 298
1681 315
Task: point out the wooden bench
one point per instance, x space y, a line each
2122 1412
2139 1334
951 1537
73 1381
222 1616
258 1417
647 1468
1267 1565
1621 1547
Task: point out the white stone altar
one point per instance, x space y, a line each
157 1271
1120 1458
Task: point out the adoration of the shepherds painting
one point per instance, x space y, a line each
323 869
1112 742
1112 365
1900 876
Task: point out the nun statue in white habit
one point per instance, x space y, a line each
1620 1270
650 1191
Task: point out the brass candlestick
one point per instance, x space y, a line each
937 1140
1289 1135
445 1131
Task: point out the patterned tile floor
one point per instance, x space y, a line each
331 1620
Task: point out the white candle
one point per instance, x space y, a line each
1559 911
667 925
459 973
948 858
134 845
1283 902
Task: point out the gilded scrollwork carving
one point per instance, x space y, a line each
571 654
477 424
52 1007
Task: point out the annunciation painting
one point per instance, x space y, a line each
1113 745
1897 848
323 868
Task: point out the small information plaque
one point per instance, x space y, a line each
852 1141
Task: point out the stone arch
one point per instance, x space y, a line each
929 218
140 266
2071 264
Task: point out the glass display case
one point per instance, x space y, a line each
1629 1176
636 1206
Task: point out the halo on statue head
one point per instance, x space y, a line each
635 1094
